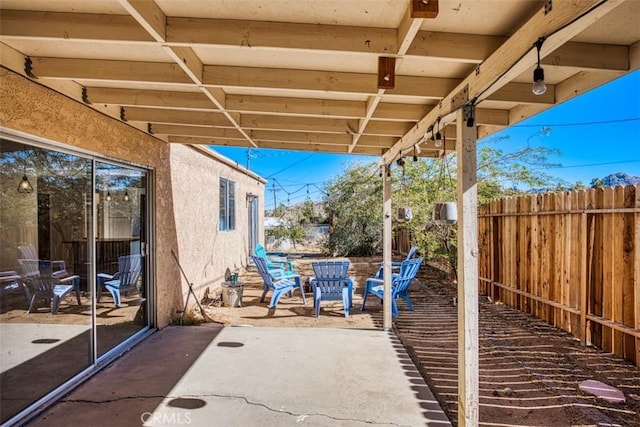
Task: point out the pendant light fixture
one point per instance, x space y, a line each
438 138
539 87
126 195
108 196
24 187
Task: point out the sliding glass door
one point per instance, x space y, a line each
45 314
73 268
121 286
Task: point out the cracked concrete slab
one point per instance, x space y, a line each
239 376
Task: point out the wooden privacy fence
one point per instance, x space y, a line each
570 258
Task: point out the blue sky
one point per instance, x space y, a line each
598 134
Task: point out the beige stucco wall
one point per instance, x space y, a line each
186 215
199 222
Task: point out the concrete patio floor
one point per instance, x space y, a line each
247 376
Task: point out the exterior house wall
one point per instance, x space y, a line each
198 223
186 215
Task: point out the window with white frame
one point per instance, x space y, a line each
227 204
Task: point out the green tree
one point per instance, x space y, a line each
597 183
578 186
296 233
354 199
353 204
307 213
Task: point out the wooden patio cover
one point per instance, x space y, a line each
304 74
368 77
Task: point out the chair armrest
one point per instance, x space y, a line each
106 276
277 273
9 276
372 281
74 280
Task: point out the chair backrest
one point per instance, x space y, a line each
38 275
28 252
129 269
408 271
58 266
331 277
412 252
260 251
261 265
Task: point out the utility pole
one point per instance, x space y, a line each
274 195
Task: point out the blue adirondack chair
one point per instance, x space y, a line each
278 286
399 285
331 283
125 280
395 265
274 262
43 285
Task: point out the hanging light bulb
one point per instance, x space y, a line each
437 141
24 187
415 154
126 196
539 87
108 196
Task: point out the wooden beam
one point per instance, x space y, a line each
455 47
71 26
297 106
149 98
189 61
488 116
260 34
387 320
379 127
220 76
228 142
468 349
98 69
149 16
328 125
368 151
156 115
522 94
466 48
488 130
512 58
589 56
190 130
407 30
290 79
319 138
402 112
583 82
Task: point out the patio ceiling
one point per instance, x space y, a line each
304 74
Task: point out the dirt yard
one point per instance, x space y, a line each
529 371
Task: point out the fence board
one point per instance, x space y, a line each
572 259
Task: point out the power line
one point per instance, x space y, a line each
602 122
587 165
292 165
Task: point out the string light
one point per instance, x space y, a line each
24 187
438 138
539 87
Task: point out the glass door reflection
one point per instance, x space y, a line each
45 314
121 284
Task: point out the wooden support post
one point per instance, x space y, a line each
468 387
386 246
